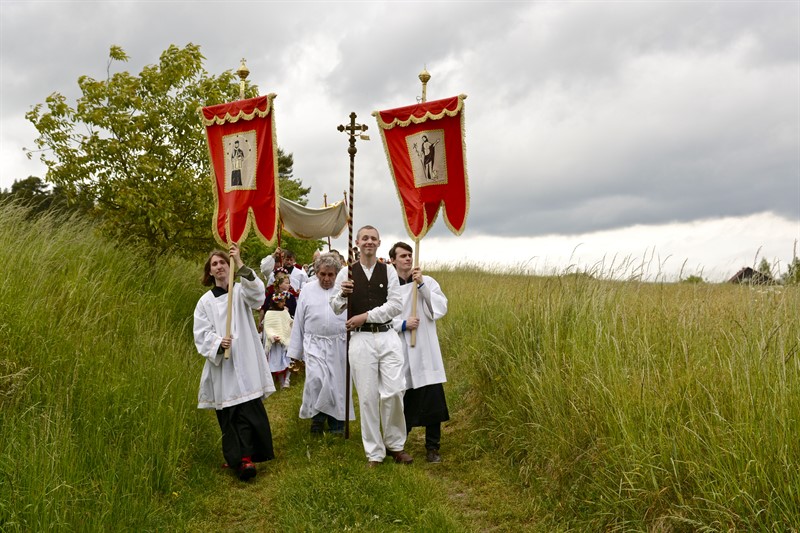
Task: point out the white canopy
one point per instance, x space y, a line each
307 223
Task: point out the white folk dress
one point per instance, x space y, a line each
245 375
277 323
319 338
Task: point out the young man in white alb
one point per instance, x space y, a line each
424 401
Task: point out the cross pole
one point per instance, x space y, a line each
352 130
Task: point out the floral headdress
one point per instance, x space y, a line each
280 297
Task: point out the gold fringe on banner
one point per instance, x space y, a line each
241 115
417 120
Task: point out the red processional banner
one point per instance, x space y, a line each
244 168
426 150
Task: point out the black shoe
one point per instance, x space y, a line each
433 456
247 471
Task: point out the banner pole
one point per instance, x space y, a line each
325 200
424 77
231 271
352 129
414 294
243 72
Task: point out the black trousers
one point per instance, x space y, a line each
245 433
426 407
433 436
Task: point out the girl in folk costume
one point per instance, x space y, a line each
277 330
291 300
234 387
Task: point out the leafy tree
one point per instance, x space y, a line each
694 279
33 193
31 189
765 268
792 275
133 148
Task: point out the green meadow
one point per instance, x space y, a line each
577 403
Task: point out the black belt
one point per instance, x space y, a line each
374 328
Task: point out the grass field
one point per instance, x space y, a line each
577 404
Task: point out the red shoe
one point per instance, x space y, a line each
247 470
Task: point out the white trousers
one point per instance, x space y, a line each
377 363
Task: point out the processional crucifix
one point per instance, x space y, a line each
352 130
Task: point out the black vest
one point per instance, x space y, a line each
369 293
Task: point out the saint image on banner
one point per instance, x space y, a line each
240 169
428 157
426 151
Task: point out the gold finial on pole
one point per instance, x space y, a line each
424 76
243 72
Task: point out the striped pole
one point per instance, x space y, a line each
352 130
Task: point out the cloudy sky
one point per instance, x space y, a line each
648 137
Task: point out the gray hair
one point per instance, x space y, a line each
328 260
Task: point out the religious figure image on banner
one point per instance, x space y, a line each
240 168
243 152
426 150
428 165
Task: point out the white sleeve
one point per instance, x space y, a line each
298 328
206 339
337 301
267 265
253 292
434 300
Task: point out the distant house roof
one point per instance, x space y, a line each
752 277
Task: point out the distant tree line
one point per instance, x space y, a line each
763 275
33 193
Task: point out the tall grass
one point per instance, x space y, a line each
610 405
99 429
97 380
662 407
